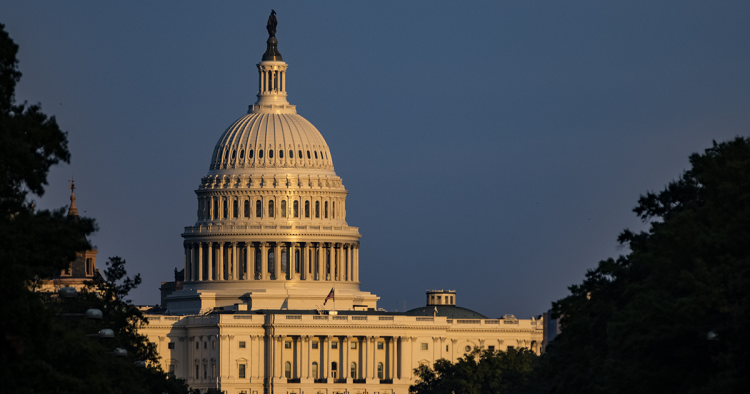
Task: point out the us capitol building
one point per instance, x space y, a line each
270 300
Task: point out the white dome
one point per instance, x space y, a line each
263 139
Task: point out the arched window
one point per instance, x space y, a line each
380 370
250 155
308 154
296 261
283 208
307 209
295 206
284 262
258 209
315 370
281 154
288 370
216 209
226 209
247 208
325 210
271 261
316 154
334 370
317 209
353 373
234 154
299 153
242 154
235 209
270 208
270 153
258 263
291 154
260 154
333 209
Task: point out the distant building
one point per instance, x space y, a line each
271 299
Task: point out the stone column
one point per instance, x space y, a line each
365 353
374 357
328 359
356 263
220 262
303 263
199 271
246 257
277 261
263 259
321 262
392 367
345 373
293 274
235 262
186 271
282 349
210 261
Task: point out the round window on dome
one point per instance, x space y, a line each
270 154
250 155
242 154
308 154
299 152
260 154
467 349
281 154
316 154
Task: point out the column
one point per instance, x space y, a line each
392 367
303 263
347 368
235 262
246 257
263 259
321 262
356 263
328 358
210 259
199 271
365 354
277 261
186 271
282 347
220 262
294 263
306 361
374 357
340 267
283 81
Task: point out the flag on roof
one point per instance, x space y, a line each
329 297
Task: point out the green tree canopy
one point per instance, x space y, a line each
477 372
671 315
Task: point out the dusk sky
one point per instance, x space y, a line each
493 148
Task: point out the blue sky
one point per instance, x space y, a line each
495 148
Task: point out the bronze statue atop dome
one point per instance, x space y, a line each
271 26
272 50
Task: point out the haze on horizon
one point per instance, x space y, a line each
496 149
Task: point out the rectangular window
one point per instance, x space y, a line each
171 370
213 344
380 345
446 348
197 346
353 345
205 345
315 345
170 345
242 371
424 346
287 344
213 371
242 344
197 375
491 348
334 345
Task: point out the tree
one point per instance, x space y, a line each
477 372
670 316
42 347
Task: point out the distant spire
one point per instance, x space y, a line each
72 211
272 50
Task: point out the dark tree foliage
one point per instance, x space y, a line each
42 348
477 372
670 316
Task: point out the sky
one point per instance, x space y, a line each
493 148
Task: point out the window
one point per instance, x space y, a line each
242 154
334 370
315 345
315 370
333 209
354 371
287 344
197 346
235 210
216 209
258 209
205 345
213 369
213 344
283 208
242 344
170 345
234 154
291 154
250 155
295 206
467 348
271 261
353 344
270 208
247 208
197 372
380 370
317 209
424 346
67 271
205 371
281 154
380 345
242 371
270 154
334 345
171 370
226 209
308 154
491 348
299 153
89 267
288 370
325 210
446 348
307 209
260 154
